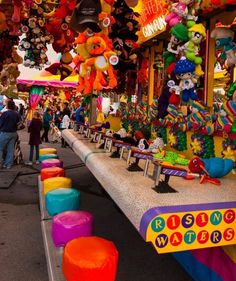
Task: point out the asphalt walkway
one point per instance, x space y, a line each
21 247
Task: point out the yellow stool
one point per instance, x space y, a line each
43 151
55 183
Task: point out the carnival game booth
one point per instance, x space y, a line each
161 56
195 219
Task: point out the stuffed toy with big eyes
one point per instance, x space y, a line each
224 41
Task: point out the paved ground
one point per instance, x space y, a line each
21 246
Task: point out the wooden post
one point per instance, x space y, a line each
151 76
209 82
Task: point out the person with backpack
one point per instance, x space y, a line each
8 134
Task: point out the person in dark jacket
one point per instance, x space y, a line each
8 135
47 118
34 129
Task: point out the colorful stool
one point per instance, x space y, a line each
61 200
70 225
51 163
52 172
90 259
49 150
55 183
47 156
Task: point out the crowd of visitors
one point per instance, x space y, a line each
52 119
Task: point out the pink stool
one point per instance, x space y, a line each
51 163
69 225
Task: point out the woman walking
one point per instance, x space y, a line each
34 129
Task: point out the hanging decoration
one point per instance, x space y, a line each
36 93
36 37
124 39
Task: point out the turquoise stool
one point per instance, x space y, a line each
61 200
47 156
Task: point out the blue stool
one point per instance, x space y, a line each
61 200
47 156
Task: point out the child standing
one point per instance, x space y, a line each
34 129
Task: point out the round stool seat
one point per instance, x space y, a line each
52 172
61 200
69 225
51 163
47 156
55 183
90 259
48 150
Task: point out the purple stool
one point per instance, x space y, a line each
51 163
69 225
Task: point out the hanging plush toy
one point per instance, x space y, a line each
63 68
231 94
197 33
3 22
198 117
101 61
184 70
36 39
175 93
179 10
179 35
226 118
224 40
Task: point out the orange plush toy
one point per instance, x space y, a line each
101 60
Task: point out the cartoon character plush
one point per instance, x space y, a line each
224 40
179 10
179 35
197 33
184 70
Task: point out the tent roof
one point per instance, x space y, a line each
50 80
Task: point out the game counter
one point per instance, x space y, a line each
196 216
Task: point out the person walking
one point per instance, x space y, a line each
65 124
8 134
79 114
34 129
58 117
47 118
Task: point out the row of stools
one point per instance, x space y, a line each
85 257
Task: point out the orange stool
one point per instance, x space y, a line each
52 172
90 259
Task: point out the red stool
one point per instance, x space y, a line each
90 259
52 172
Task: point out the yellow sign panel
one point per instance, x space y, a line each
175 232
152 18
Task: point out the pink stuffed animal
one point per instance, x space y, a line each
179 10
